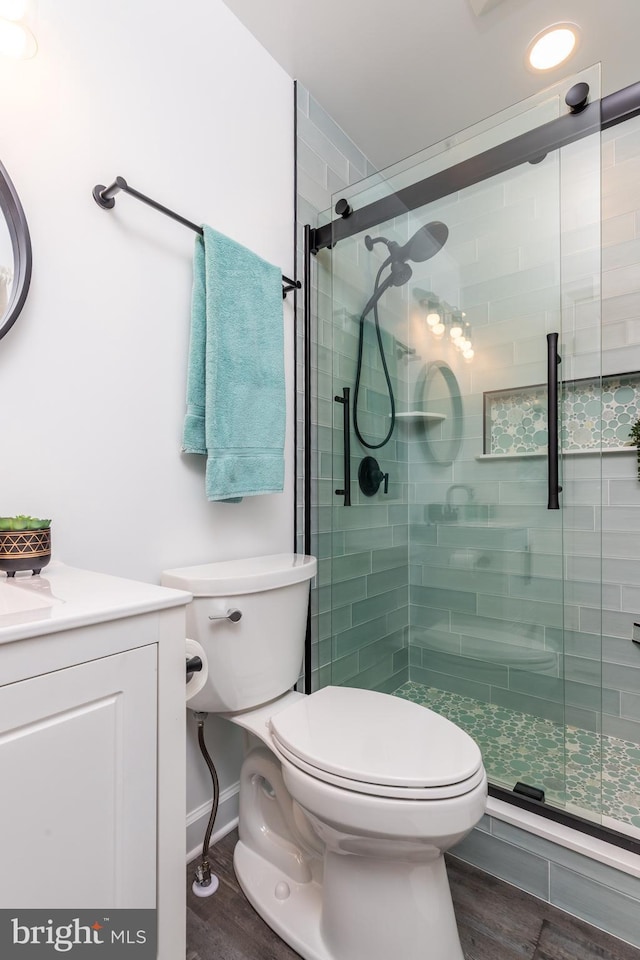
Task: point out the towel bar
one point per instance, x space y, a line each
104 197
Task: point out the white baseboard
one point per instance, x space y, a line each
226 820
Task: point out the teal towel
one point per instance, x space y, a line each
235 383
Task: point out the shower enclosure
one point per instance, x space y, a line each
461 419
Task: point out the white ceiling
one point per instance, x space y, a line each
401 75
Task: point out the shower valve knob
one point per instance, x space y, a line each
370 477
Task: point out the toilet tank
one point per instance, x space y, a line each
257 656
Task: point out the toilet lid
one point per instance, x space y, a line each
374 738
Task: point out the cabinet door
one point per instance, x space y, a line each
78 785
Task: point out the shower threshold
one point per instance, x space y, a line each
581 772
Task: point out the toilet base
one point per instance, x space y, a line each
295 918
295 912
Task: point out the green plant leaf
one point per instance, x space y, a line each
23 522
34 523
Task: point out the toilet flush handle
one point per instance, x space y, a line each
233 615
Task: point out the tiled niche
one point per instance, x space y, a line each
594 414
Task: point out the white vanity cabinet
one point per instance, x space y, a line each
92 747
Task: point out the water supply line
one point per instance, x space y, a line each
206 883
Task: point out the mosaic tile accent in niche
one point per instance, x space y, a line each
515 421
576 768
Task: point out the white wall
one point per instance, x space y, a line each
192 111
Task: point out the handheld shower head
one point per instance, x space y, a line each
401 273
426 242
423 245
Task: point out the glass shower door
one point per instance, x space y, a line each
462 336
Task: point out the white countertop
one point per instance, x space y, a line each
65 597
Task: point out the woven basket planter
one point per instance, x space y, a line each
24 550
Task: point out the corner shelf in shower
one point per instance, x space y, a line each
420 415
565 453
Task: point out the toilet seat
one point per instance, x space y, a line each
372 743
380 790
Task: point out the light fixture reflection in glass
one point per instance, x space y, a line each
553 46
432 312
463 342
443 319
456 325
16 40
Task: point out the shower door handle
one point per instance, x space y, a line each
553 361
346 441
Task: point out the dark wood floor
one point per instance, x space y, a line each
496 922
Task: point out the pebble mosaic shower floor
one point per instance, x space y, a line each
517 746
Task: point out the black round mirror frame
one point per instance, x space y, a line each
20 241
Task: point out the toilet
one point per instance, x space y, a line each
348 798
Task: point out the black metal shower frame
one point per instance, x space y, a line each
530 147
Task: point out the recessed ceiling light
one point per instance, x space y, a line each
552 46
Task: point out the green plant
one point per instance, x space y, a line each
23 522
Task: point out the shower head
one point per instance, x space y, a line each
426 242
423 245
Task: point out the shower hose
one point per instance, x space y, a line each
373 303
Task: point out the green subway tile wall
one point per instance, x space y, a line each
360 608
